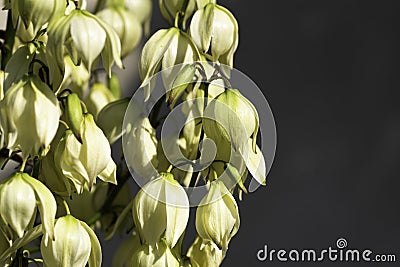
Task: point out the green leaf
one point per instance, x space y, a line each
95 257
28 237
46 204
120 220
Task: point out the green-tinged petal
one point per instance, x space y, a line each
255 163
149 214
95 152
204 253
201 27
153 52
95 257
109 174
46 204
158 255
88 36
71 245
217 217
98 98
112 49
111 117
17 203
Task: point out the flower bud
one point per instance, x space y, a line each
203 253
158 255
161 208
29 116
19 196
111 117
83 162
39 12
169 9
217 217
74 244
231 119
74 114
125 25
215 27
140 147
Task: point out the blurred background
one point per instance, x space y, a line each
330 72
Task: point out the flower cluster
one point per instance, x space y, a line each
62 113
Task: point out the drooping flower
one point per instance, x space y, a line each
75 244
161 210
215 28
83 162
217 217
20 195
29 115
84 36
125 25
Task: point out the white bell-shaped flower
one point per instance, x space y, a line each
217 217
29 115
161 209
20 195
75 244
214 27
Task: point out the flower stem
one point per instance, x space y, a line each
23 164
66 207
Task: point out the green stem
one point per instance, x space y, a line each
182 14
9 36
22 168
66 207
204 86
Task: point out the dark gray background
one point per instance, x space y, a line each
329 70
